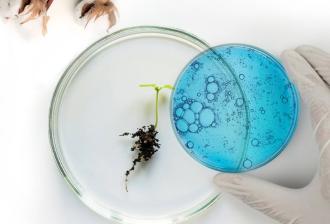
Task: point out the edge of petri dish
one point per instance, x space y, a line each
63 83
292 128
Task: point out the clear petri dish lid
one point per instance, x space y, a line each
98 98
239 120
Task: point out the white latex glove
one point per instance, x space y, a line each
309 68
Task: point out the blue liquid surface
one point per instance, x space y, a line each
235 119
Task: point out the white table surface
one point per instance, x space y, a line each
31 188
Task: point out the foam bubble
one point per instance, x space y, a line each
212 87
210 96
181 125
239 102
190 144
206 117
247 164
189 116
193 128
210 79
196 106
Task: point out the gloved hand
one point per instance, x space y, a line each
309 68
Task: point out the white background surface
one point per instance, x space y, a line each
32 190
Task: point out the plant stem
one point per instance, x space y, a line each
157 89
156 109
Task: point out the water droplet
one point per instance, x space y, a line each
184 98
185 106
241 76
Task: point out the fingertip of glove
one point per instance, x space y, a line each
217 178
305 47
306 50
222 178
288 54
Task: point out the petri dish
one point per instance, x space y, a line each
211 118
98 98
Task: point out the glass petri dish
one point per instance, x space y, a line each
98 98
211 118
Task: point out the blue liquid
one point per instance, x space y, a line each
236 120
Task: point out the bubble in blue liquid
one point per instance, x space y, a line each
245 117
196 106
270 139
189 116
179 112
284 99
262 110
210 79
184 98
190 144
239 102
210 96
255 142
186 106
212 87
193 128
206 117
247 164
182 125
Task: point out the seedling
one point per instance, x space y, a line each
147 143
